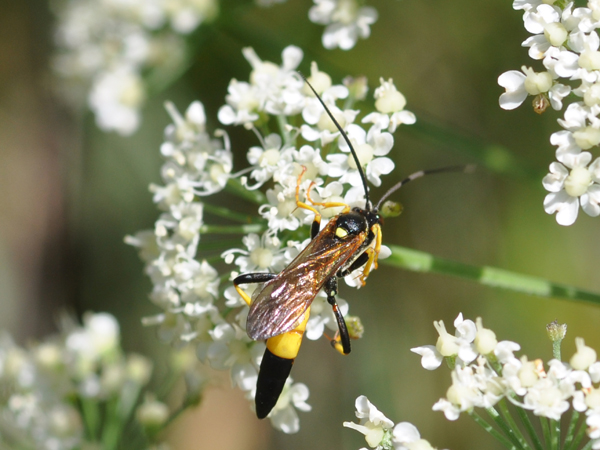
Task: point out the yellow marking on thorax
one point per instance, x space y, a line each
341 233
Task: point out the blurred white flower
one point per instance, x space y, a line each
346 22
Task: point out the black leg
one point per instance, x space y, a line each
360 261
258 277
331 291
315 227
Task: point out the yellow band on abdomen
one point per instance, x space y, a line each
287 345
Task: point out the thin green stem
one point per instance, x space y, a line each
234 186
546 431
228 214
503 425
556 349
537 443
91 417
579 436
233 229
487 427
282 123
489 276
512 424
587 446
554 434
571 430
175 414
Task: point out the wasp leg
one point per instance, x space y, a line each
331 291
373 253
316 225
360 261
249 278
275 367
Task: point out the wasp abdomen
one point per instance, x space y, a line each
271 380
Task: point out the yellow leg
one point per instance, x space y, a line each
327 204
243 294
302 204
373 254
312 208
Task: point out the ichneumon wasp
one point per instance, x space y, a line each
280 308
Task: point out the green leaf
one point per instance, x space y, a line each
418 261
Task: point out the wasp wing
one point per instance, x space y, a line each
279 306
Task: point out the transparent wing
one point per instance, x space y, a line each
281 303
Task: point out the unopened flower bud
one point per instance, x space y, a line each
446 343
152 413
485 339
587 137
584 357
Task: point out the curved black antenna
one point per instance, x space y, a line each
467 169
358 166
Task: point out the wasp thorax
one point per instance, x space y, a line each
351 223
364 153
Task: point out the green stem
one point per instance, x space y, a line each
556 349
579 436
91 417
175 414
233 229
235 187
546 431
282 123
228 214
512 424
571 430
218 244
554 434
537 443
587 446
487 427
418 261
503 425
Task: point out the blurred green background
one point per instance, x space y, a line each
70 193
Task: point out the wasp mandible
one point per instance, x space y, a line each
280 309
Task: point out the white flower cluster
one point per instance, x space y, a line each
486 371
200 304
104 46
346 21
565 39
41 386
381 433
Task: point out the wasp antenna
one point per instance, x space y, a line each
345 136
470 168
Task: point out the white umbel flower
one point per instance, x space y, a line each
345 20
